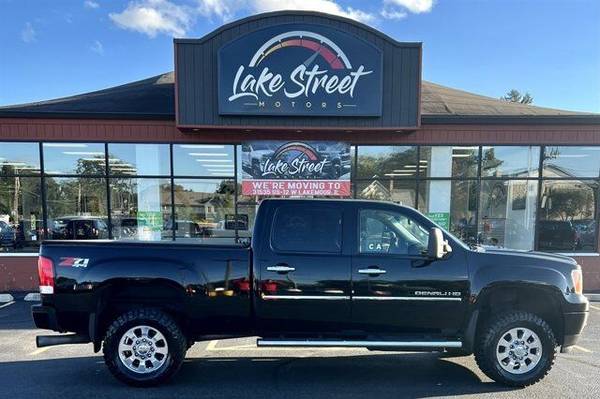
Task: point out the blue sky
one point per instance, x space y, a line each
549 48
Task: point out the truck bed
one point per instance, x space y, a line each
211 281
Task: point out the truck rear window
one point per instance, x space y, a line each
298 228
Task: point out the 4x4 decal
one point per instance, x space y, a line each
74 262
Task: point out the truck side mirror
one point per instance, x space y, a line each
437 247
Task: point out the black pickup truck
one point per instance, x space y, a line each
318 273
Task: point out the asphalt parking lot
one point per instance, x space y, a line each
235 368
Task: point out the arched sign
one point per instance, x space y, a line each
300 69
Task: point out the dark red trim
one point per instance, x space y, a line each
20 129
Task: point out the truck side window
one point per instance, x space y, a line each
385 232
299 228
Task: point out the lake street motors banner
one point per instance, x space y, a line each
300 69
293 168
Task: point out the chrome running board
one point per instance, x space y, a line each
356 344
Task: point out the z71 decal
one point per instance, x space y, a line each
74 262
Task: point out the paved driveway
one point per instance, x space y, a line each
235 368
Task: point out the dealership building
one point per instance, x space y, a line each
293 104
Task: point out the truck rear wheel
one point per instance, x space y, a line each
517 349
144 347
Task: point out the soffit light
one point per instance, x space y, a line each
202 146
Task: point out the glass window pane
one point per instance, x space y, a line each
507 213
510 161
387 162
208 160
21 224
139 159
568 216
141 209
204 210
402 192
77 208
572 161
19 158
442 161
302 228
384 232
452 204
74 159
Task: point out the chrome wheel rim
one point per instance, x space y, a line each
143 349
519 350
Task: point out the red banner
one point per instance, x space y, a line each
330 188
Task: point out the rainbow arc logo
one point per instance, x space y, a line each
321 46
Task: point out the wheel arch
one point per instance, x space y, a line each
541 300
118 296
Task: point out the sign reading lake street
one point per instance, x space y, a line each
291 168
300 69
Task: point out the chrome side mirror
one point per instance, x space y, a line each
437 247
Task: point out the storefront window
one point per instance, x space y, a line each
19 159
77 208
20 214
141 209
572 162
204 210
568 216
399 191
139 159
492 202
207 160
452 204
395 162
442 161
82 159
507 211
510 161
246 216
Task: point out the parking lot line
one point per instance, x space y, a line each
7 304
594 307
212 347
582 349
39 350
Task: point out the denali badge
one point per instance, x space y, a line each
437 293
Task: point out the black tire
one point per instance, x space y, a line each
176 340
495 329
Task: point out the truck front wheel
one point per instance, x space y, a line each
144 347
517 349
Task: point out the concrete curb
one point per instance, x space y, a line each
593 297
6 298
33 297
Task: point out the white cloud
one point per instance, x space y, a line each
223 9
97 47
28 34
152 17
90 4
227 9
414 6
390 13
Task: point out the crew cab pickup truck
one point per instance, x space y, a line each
318 273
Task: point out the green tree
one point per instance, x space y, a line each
514 96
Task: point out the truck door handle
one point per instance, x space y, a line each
281 268
371 270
